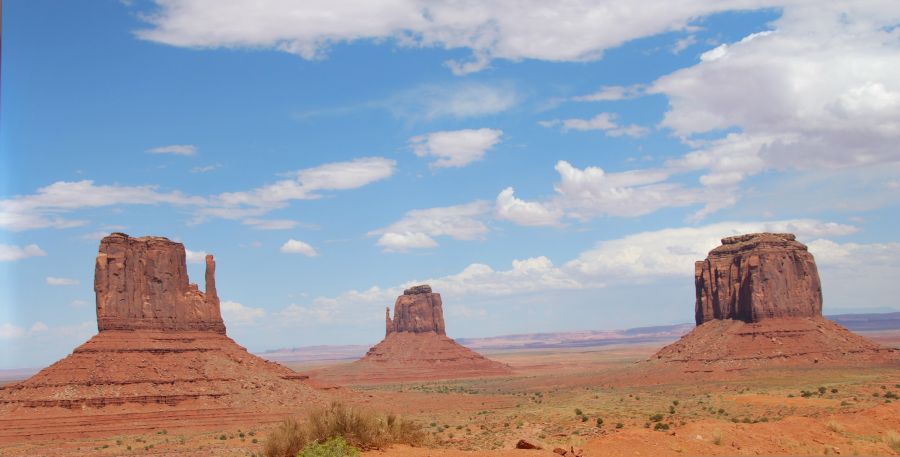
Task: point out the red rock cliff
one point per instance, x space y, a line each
142 283
757 276
418 310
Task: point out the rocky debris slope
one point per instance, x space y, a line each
161 347
759 302
415 348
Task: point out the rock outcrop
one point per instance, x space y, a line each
142 284
757 276
415 347
759 303
161 353
418 310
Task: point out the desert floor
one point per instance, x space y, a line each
762 412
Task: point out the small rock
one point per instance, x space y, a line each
522 444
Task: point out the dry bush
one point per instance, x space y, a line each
286 440
361 428
892 439
835 427
717 437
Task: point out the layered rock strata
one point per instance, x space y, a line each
418 310
757 276
142 283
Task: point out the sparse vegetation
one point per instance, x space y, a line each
661 426
656 417
359 428
334 447
892 439
835 427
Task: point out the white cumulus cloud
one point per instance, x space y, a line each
455 148
293 246
10 252
235 313
418 227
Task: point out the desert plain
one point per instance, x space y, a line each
755 412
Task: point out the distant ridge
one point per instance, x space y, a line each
562 340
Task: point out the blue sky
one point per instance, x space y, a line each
544 168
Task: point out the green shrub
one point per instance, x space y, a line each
578 411
599 422
661 426
619 425
656 417
334 447
584 418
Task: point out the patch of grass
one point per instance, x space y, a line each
578 411
656 417
361 429
661 426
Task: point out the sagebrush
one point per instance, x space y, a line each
361 428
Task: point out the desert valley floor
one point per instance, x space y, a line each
554 398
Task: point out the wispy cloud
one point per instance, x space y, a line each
604 122
53 281
175 149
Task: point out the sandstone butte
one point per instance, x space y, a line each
759 302
161 358
415 347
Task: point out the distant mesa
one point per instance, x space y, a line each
759 302
161 350
415 347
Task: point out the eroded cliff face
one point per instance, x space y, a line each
142 284
418 310
757 276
